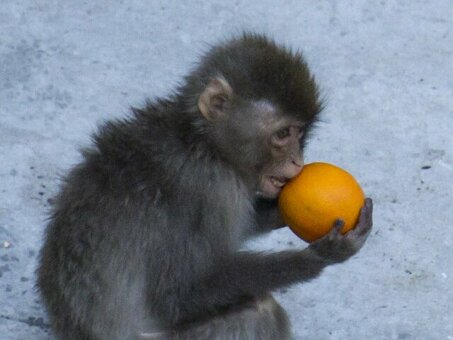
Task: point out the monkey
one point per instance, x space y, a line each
145 238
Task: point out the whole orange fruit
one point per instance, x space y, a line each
321 193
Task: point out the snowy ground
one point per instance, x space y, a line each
386 71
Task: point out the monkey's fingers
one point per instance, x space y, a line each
365 219
335 232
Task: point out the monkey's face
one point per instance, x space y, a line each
257 137
286 158
262 142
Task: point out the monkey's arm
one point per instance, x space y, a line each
267 215
246 274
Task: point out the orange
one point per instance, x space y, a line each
321 193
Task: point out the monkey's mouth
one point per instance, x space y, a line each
272 185
278 182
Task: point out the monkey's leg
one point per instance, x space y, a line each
262 319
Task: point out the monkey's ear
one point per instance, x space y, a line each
213 98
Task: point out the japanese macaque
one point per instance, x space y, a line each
145 237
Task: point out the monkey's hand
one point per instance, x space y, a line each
336 247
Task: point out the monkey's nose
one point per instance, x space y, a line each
293 168
298 160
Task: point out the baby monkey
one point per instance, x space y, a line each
145 237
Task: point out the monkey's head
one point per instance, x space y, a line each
257 102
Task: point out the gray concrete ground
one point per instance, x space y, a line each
386 72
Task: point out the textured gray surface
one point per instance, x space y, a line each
386 71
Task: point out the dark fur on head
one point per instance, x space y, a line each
257 68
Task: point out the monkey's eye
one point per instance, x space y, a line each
283 133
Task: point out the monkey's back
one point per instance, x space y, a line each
79 280
129 197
